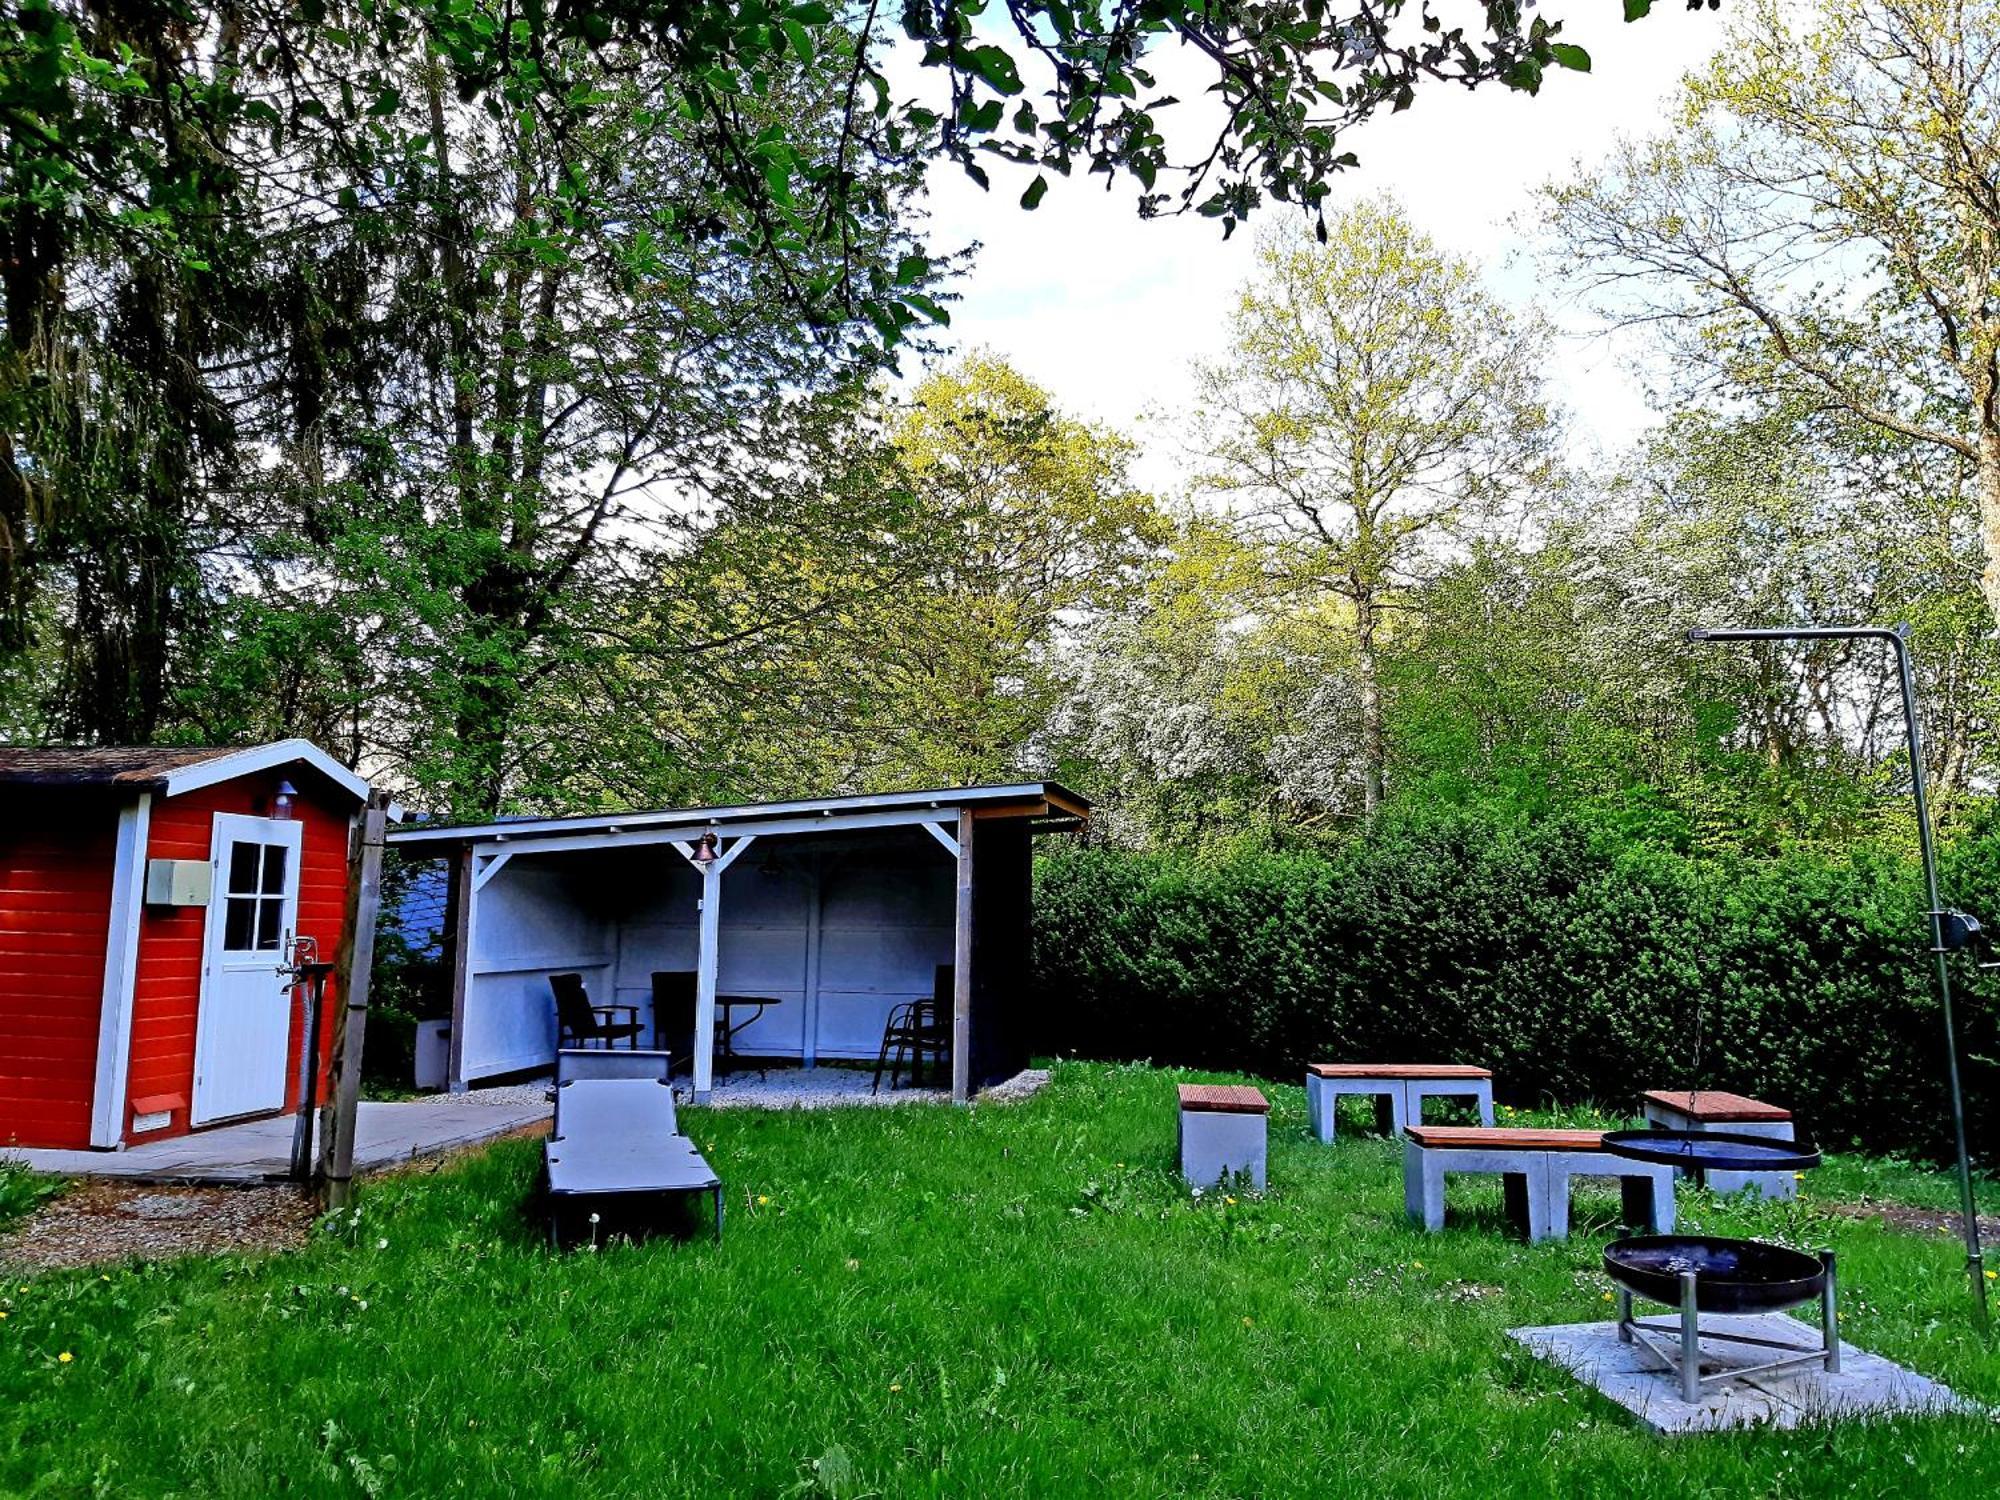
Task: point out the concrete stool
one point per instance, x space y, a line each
1733 1114
1222 1133
1535 1168
1400 1089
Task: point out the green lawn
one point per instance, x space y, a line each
1010 1300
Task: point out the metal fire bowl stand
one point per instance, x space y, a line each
1707 1274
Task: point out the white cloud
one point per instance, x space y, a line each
1108 311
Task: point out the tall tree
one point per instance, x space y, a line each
1375 401
1821 229
1033 527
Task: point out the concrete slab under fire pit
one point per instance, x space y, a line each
1867 1385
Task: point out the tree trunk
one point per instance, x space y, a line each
1367 671
1987 478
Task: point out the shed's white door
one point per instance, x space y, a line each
243 1029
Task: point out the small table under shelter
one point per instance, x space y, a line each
1400 1089
1708 1110
1222 1133
1535 1167
725 1034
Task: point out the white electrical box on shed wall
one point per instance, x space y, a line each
177 882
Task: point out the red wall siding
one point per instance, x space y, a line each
55 916
170 942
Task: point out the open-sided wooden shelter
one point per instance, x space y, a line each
835 908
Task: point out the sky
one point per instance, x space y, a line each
1108 311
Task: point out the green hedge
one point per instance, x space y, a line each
1575 971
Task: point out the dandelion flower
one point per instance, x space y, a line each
65 1357
1248 1324
1608 1297
1417 1264
1991 1274
762 1200
1227 1199
896 1387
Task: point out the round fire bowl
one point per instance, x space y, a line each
1712 1150
1731 1276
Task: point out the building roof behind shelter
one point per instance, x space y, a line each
170 769
104 765
1045 801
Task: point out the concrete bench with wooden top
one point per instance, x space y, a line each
1399 1088
1222 1133
1708 1110
1535 1168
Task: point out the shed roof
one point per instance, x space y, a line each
168 769
1030 799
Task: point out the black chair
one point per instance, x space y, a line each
581 1024
673 1014
917 1028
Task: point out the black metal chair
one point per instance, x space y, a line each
673 1013
581 1024
917 1028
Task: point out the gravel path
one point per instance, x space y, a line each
833 1088
96 1222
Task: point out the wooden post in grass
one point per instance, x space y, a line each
356 963
961 957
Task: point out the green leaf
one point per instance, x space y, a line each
928 308
1033 197
1637 8
912 269
1568 55
996 67
801 43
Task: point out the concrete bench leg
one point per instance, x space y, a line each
1544 1225
1388 1110
1319 1110
1483 1093
1423 1186
1648 1199
1558 1168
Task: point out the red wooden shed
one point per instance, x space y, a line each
147 898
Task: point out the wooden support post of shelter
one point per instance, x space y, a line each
459 899
961 959
355 967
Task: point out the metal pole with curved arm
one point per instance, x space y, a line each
1899 644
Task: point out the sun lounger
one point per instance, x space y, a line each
616 1137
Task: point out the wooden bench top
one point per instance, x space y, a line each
1224 1099
1397 1070
1484 1138
1713 1106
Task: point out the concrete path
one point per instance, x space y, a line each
260 1150
1868 1386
